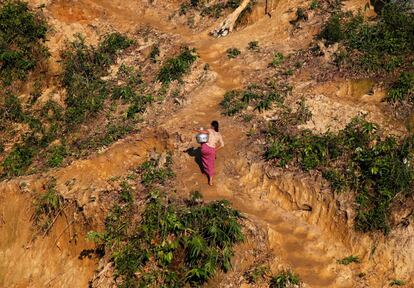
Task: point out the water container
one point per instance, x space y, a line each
202 137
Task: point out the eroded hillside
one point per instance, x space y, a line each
101 184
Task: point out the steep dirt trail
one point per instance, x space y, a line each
310 252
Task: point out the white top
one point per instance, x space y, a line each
214 138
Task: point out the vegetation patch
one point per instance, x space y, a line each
348 260
260 97
173 244
22 37
285 279
358 158
402 89
233 52
175 68
384 44
48 207
84 67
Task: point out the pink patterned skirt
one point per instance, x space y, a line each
208 157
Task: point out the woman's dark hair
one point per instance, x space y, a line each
215 125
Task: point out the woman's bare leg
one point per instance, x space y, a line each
210 180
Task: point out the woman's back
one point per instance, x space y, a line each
214 138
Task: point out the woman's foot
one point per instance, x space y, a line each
210 181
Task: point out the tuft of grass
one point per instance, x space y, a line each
253 45
396 282
348 260
256 274
233 53
285 279
175 68
278 59
47 207
56 155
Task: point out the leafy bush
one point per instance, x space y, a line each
84 66
18 160
233 52
253 45
348 260
375 45
397 282
22 36
402 89
156 170
12 109
173 244
257 273
175 68
261 97
278 59
285 279
56 155
357 158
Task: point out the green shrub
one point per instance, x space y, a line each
47 207
18 160
175 68
402 89
154 171
378 45
285 279
84 66
256 274
396 282
56 155
173 244
12 109
261 97
22 36
348 260
233 52
278 59
253 45
332 32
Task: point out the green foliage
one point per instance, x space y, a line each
402 89
56 155
233 52
18 160
261 97
253 45
256 274
357 158
173 244
84 66
314 5
396 282
156 170
348 260
278 59
12 109
285 279
377 45
174 68
155 53
47 207
22 36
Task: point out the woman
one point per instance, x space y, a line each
209 149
